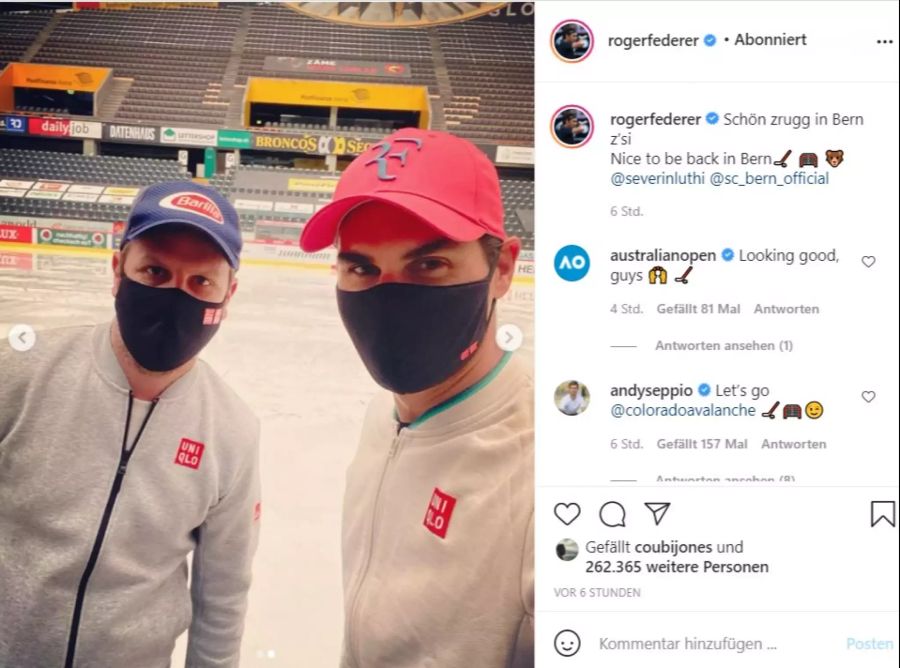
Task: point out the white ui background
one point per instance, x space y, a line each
806 513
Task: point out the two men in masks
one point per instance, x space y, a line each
121 452
438 509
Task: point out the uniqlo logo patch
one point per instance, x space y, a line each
189 453
212 316
257 511
468 352
440 510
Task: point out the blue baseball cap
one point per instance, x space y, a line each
187 203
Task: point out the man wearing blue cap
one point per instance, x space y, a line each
121 452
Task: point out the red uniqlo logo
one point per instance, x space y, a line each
212 316
468 352
257 511
189 453
440 510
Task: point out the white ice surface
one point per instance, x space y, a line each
283 349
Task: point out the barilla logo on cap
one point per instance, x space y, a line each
196 203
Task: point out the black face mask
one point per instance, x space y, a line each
412 337
164 327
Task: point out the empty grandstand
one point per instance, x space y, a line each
478 71
18 32
266 101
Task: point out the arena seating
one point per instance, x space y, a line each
492 73
188 65
103 170
40 208
249 183
43 110
83 169
518 204
517 193
278 31
177 58
17 32
489 97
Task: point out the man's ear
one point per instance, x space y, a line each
506 267
231 291
117 271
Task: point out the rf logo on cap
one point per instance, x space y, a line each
381 158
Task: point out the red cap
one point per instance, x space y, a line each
445 181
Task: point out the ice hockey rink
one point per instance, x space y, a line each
283 349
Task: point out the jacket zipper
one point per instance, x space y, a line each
104 524
353 643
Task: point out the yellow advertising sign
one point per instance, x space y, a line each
118 190
312 144
313 185
353 95
58 77
351 145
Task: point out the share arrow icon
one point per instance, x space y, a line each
659 510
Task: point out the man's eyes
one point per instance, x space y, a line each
161 275
154 275
364 270
430 264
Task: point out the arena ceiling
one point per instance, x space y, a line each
395 14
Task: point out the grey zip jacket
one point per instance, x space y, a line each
94 535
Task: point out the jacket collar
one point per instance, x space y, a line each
108 367
503 381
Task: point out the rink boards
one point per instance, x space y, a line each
20 236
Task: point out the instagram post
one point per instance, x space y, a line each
449 334
267 317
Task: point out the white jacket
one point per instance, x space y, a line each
438 534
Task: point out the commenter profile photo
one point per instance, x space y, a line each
572 397
572 126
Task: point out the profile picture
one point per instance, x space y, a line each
572 126
573 41
572 397
567 549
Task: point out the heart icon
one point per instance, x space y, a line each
567 512
868 260
868 396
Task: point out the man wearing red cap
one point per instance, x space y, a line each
438 509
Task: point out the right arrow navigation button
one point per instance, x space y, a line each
509 337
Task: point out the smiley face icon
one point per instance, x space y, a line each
567 643
814 410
